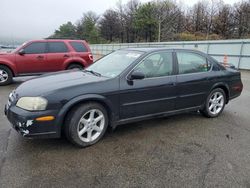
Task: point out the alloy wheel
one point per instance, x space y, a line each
91 125
3 76
216 103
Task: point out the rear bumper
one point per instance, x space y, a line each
236 90
234 96
25 123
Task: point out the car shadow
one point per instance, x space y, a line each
154 123
120 132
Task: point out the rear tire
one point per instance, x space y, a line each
86 124
6 75
215 103
75 66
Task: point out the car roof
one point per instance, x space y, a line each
153 49
55 40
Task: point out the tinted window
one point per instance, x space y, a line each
78 46
157 65
57 47
191 63
36 48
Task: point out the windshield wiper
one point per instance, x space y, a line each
92 72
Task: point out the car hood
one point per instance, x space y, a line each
55 81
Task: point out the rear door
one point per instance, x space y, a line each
33 59
154 94
193 79
58 53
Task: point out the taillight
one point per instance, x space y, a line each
238 87
91 57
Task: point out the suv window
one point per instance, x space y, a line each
192 63
35 48
57 47
78 46
157 65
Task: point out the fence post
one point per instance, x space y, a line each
241 50
208 45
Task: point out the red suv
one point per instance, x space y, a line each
42 56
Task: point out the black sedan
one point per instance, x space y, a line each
125 86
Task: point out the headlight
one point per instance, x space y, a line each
32 103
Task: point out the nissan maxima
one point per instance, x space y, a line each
125 86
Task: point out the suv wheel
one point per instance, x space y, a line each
74 66
86 124
215 103
6 75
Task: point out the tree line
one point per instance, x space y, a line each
161 20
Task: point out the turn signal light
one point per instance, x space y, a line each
45 118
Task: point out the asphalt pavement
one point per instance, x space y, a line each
186 150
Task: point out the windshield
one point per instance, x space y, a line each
114 63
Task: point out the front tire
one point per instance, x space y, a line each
6 75
86 124
215 103
75 66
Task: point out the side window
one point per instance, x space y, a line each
78 46
35 48
157 65
192 63
57 47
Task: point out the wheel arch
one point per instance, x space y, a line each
81 100
224 87
12 69
78 61
74 63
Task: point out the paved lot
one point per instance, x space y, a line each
180 151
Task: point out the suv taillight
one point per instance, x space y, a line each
91 57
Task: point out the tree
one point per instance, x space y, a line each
86 27
130 10
67 30
242 17
169 18
162 20
199 17
145 22
110 26
224 22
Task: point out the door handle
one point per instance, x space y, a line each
40 57
66 55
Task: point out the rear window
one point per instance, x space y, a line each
57 47
78 46
192 63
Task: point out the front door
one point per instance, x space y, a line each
155 93
33 59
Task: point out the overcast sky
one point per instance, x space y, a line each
39 18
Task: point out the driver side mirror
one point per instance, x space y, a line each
21 52
137 75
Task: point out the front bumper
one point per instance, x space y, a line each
25 123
